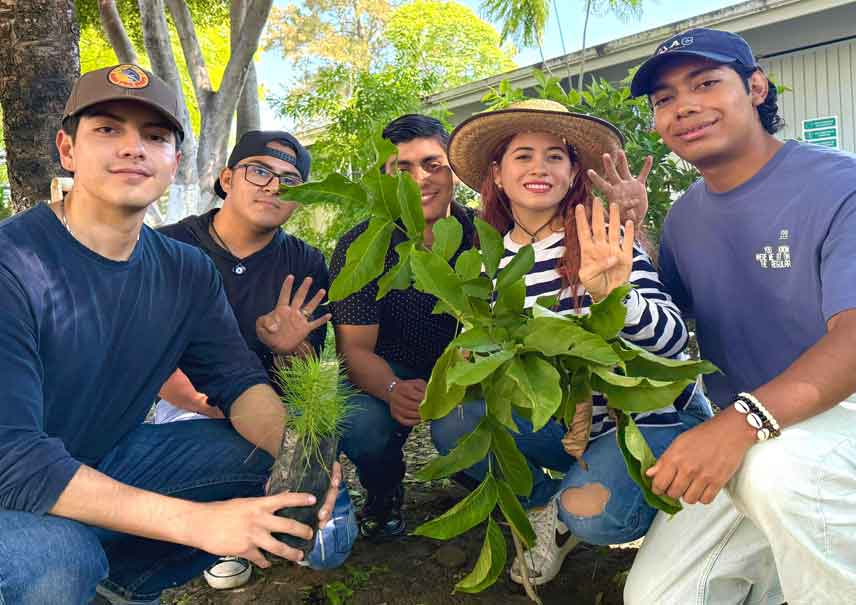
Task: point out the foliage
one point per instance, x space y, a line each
212 28
670 176
315 394
449 39
522 20
534 362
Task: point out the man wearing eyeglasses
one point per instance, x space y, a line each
391 345
274 281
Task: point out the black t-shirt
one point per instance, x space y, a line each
255 291
408 333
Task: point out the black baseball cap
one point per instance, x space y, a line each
125 82
255 142
718 46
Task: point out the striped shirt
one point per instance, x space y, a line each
653 322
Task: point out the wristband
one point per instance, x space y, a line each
757 416
391 386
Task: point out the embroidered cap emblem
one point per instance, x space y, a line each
128 76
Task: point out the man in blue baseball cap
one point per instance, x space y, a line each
760 253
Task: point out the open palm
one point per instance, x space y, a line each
606 258
287 326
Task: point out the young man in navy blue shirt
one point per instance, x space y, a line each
97 311
760 251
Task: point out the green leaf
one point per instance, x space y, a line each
635 393
465 515
478 340
471 449
498 394
383 192
557 335
399 276
519 265
364 260
335 189
482 366
383 149
606 317
448 234
639 458
510 300
539 383
490 563
547 301
512 463
645 363
435 276
480 287
491 246
514 513
440 397
468 265
410 199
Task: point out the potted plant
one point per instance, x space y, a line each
315 395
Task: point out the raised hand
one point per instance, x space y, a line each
622 188
285 328
605 259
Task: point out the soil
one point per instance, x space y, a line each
419 571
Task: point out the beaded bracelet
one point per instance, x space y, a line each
757 416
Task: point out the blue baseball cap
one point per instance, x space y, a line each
718 46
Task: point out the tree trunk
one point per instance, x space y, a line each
39 61
112 25
583 51
248 105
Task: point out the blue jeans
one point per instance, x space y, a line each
373 440
626 515
47 560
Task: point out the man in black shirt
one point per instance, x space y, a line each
391 345
261 265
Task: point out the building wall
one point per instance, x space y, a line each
823 80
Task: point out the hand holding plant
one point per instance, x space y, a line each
288 324
605 258
404 401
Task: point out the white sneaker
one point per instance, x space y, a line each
553 543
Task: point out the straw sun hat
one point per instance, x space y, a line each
474 140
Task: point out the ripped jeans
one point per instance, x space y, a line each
625 517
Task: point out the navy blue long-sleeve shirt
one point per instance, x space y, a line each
86 342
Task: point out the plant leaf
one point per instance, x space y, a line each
514 513
498 392
448 235
482 366
471 448
639 458
480 287
539 382
399 277
468 265
512 463
335 189
364 259
606 318
510 300
383 192
557 335
490 563
491 246
440 397
465 515
478 340
519 265
635 393
410 199
435 276
645 363
383 149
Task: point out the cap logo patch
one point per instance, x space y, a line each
128 76
687 41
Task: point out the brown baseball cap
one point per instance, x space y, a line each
125 82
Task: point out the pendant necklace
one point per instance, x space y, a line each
533 236
238 269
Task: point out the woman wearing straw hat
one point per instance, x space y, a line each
534 166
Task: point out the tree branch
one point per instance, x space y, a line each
248 104
192 52
112 25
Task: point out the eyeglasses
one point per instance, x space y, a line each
261 176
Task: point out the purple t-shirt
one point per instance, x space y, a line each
763 267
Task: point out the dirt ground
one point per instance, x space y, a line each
419 571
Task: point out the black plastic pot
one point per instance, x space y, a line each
296 470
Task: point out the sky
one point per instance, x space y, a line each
273 70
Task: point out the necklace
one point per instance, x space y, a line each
64 217
238 269
533 236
